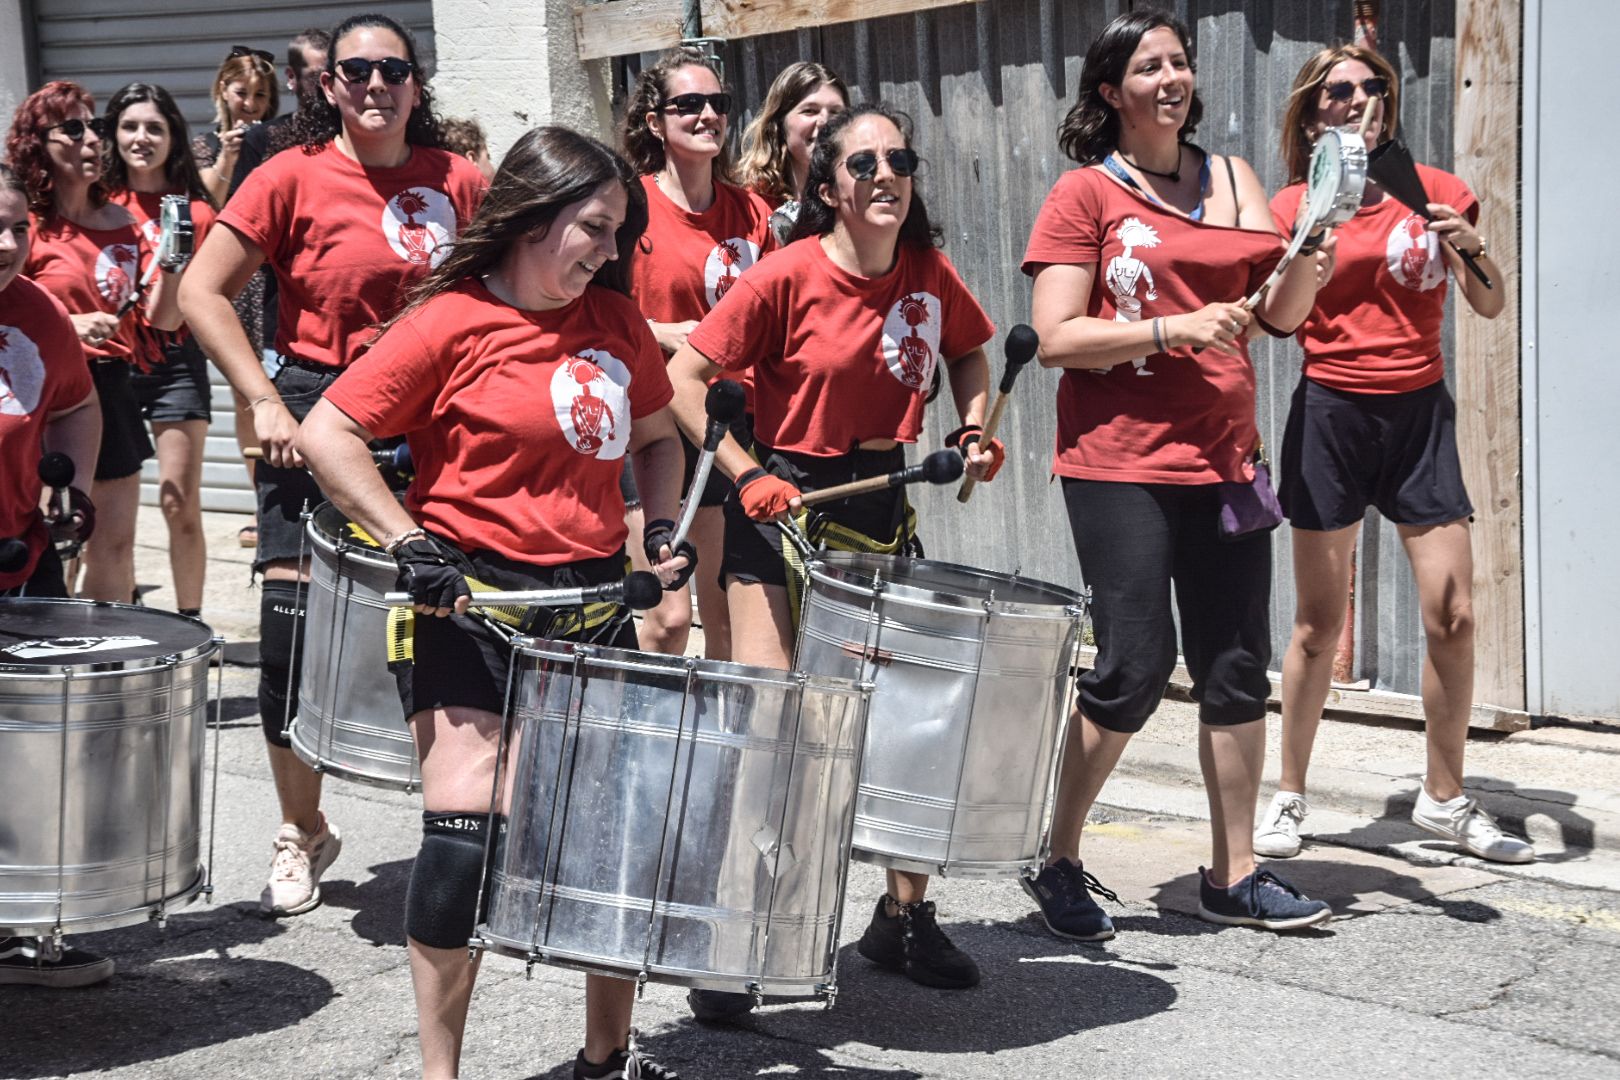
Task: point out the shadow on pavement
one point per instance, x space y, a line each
1341 884
378 902
1511 805
693 1051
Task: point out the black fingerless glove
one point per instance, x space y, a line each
431 573
654 536
81 518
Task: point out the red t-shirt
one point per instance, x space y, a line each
1169 418
686 262
518 421
42 371
147 208
1375 328
346 242
90 270
839 359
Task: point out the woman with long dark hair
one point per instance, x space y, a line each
778 141
152 158
844 331
532 307
703 232
91 254
360 210
1141 259
1372 424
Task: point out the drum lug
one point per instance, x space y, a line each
641 984
51 947
528 965
758 993
161 916
828 993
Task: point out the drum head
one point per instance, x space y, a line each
49 635
330 527
928 581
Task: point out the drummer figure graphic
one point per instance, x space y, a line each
1125 271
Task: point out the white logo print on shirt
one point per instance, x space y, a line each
1125 272
725 264
589 398
420 225
1412 253
911 339
117 268
22 373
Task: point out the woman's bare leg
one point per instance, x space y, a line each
109 557
1322 563
180 461
1443 566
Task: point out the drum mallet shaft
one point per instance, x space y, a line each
940 467
1022 341
724 403
639 591
399 457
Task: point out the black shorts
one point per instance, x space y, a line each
1137 543
46 581
177 388
284 494
461 662
718 485
1343 452
124 442
754 549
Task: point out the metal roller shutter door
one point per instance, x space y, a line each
106 44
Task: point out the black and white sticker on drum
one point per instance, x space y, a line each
42 648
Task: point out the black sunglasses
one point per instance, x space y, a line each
1344 90
74 129
357 69
239 51
863 164
692 104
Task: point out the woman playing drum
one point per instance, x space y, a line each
1372 424
1139 260
361 212
532 307
845 330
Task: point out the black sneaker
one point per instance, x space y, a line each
1063 891
628 1064
21 964
1262 899
718 1006
913 944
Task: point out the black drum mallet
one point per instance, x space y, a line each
639 591
1022 341
724 403
940 467
56 471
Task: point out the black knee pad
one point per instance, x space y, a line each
281 616
441 904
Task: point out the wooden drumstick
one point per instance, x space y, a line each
1022 341
940 467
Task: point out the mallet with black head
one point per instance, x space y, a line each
1022 341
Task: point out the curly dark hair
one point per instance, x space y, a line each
180 168
25 142
816 218
547 169
1090 131
318 124
643 149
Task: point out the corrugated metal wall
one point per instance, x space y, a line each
987 85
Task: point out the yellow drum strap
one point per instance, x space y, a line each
560 623
824 533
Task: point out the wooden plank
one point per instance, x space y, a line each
627 26
1486 141
751 18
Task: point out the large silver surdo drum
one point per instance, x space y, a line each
350 722
103 709
675 819
971 676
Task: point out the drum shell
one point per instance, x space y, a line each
350 722
679 818
101 769
970 698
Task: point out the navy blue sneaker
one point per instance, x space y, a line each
1262 899
1063 892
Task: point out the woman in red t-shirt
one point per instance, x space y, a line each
90 254
844 331
778 141
1372 424
151 159
702 233
358 212
532 307
1141 259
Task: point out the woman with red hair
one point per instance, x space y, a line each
91 254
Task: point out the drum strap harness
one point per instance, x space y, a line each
826 534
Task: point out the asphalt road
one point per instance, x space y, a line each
1431 970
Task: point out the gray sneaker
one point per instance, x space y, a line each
1464 822
24 963
1277 834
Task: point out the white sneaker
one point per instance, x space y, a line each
1277 835
1463 822
296 869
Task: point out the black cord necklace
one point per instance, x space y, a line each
1174 175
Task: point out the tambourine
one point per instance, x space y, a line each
175 233
1339 166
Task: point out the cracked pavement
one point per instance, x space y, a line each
1440 970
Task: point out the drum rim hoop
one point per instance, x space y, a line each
709 670
828 564
211 642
